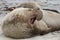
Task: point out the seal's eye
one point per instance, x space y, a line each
30 9
38 8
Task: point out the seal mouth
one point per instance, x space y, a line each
32 19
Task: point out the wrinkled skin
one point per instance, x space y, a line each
19 22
